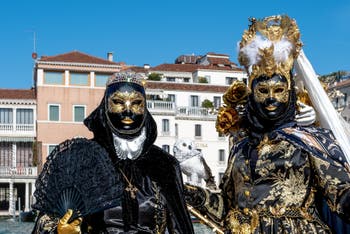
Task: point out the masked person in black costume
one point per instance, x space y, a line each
152 201
279 173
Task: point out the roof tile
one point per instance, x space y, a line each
17 94
77 57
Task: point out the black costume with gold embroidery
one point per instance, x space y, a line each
156 205
279 174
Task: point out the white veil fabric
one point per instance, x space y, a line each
327 115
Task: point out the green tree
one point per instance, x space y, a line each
202 79
207 104
154 77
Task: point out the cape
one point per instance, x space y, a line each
153 162
316 141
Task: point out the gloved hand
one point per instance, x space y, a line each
194 195
64 227
306 114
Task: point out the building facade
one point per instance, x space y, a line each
339 93
18 162
71 85
179 104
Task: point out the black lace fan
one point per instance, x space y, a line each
77 175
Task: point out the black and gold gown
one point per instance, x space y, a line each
159 206
277 186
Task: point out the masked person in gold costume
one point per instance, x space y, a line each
279 173
152 200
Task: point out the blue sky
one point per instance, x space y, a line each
156 32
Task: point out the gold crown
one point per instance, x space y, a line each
130 77
269 47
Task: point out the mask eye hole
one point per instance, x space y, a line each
184 144
279 90
117 102
137 102
263 90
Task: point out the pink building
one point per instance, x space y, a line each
68 87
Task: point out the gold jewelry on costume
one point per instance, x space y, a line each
129 77
131 189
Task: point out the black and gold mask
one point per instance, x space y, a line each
125 107
271 96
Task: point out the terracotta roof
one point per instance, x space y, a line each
17 94
176 67
214 54
223 61
193 67
77 57
186 87
137 69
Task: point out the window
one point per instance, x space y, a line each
170 79
166 148
5 154
221 155
217 102
78 113
24 154
186 80
6 116
171 97
50 148
24 116
79 79
53 78
176 130
229 80
165 125
101 80
197 130
54 112
194 101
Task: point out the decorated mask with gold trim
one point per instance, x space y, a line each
271 96
125 103
267 51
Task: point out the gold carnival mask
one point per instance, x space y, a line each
119 102
271 89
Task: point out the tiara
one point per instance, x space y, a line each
269 47
129 77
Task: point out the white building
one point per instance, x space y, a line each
176 104
18 169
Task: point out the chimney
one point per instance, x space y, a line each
110 56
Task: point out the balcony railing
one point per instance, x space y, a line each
195 112
160 105
18 171
17 127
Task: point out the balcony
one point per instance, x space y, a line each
161 107
17 129
196 112
18 172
